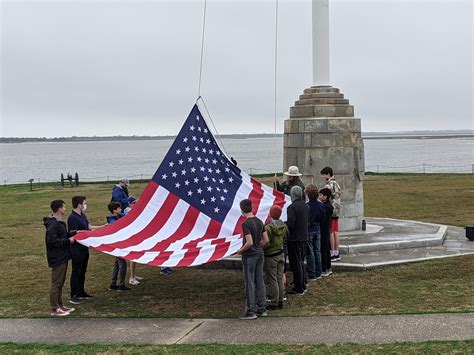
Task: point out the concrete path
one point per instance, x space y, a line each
297 330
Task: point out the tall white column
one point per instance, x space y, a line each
321 42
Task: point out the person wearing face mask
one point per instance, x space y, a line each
78 221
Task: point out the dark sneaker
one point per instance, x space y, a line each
248 316
336 258
262 314
75 300
294 292
272 307
113 287
326 273
123 288
85 296
280 305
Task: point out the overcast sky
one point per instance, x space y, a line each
132 67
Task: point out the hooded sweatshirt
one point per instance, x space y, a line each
277 232
58 246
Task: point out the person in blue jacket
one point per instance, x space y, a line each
120 193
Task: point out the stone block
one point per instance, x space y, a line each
341 159
290 157
341 125
326 140
357 125
321 101
313 125
307 140
324 111
324 95
352 210
350 224
302 111
348 195
292 126
294 140
360 194
316 90
350 139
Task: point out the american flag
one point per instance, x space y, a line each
189 212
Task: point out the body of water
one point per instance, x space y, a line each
139 159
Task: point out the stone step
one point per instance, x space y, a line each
321 101
322 95
321 89
304 111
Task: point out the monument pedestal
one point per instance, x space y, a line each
322 131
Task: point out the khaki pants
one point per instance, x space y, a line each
274 266
58 276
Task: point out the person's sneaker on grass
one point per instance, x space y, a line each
123 288
326 273
280 305
262 314
337 257
272 307
85 296
138 278
75 300
294 292
248 316
113 287
67 309
59 313
133 281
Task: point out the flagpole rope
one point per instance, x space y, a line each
213 125
275 76
202 48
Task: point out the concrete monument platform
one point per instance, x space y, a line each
389 242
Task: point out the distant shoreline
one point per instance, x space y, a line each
368 135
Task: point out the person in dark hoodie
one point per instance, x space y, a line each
324 196
120 193
313 250
119 272
274 263
58 251
297 222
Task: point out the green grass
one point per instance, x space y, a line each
434 286
430 347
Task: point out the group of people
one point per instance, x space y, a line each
310 234
61 247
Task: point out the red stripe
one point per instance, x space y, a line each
151 229
255 196
193 250
184 229
222 246
145 197
279 198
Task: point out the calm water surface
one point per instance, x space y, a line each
139 159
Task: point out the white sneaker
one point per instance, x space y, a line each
138 278
59 313
133 281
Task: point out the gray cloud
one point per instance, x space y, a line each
106 67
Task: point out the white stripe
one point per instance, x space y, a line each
265 203
284 215
170 227
228 225
147 257
137 225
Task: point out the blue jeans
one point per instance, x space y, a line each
255 293
313 254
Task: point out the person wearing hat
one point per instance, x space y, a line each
120 193
292 179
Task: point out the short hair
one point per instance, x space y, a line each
56 205
77 200
326 192
327 170
246 206
112 206
296 193
311 191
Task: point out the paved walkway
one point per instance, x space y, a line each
297 330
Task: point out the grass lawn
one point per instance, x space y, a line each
431 347
434 286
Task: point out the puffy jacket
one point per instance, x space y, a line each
58 246
120 196
277 232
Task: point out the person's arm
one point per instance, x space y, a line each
248 244
265 240
290 222
93 228
52 237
